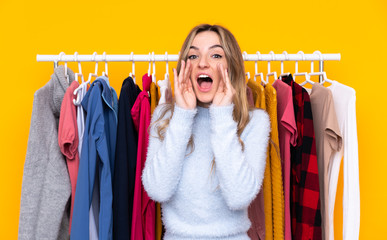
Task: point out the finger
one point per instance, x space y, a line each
182 68
186 74
187 69
227 80
175 80
229 85
224 83
221 82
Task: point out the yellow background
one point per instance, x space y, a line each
356 29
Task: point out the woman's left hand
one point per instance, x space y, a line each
225 92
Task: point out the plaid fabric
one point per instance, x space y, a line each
304 181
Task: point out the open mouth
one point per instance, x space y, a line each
204 82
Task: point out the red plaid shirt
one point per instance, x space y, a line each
304 181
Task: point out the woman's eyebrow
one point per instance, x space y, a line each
214 46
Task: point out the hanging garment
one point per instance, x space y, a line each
154 96
165 91
260 209
305 197
345 105
143 220
250 97
328 142
197 202
46 184
68 139
287 130
125 163
275 166
97 160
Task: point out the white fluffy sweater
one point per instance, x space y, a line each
198 203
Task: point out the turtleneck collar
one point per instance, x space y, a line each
203 112
59 86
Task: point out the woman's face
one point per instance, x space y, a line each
205 54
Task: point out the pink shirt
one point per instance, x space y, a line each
144 211
68 139
287 133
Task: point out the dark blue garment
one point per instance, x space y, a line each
99 142
125 162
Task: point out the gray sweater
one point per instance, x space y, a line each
46 185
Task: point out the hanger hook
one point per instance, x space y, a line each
245 55
65 63
154 68
245 59
133 65
259 59
282 62
303 58
272 55
79 63
96 63
149 60
106 64
154 62
166 61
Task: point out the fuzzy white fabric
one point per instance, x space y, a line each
198 203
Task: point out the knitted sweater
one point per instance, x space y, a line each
198 203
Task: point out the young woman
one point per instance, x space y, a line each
207 150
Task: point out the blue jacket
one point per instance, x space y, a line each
98 153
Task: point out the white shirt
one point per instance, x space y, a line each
165 91
345 105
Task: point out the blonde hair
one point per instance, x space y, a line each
236 72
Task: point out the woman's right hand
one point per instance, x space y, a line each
184 94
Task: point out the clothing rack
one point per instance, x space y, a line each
151 57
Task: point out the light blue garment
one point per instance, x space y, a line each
98 149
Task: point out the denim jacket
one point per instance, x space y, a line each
97 157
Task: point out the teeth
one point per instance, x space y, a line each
203 76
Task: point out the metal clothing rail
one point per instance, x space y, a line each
300 56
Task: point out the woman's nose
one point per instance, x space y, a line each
203 62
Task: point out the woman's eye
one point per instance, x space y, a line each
192 56
217 56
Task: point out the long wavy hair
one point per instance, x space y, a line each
236 71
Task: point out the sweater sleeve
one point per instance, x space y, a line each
240 172
164 162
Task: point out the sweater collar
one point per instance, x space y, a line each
203 112
60 85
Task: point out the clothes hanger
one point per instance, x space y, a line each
325 79
65 64
245 58
282 66
166 75
131 74
105 73
149 68
269 73
77 101
307 78
256 69
154 68
79 73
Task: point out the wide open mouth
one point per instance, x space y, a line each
204 82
